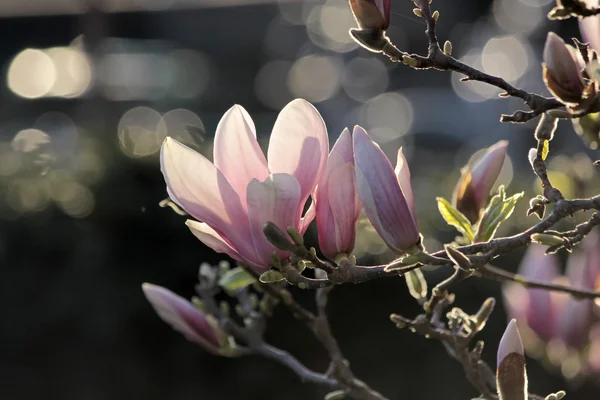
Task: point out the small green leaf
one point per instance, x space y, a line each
236 278
455 218
545 149
498 211
271 276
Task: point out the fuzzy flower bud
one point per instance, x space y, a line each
337 203
562 70
372 14
185 318
511 376
386 194
477 179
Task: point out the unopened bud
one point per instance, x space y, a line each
562 71
417 285
417 12
484 313
411 62
271 276
295 235
511 375
276 237
448 48
547 239
459 259
371 14
436 15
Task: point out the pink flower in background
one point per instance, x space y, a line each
337 203
386 195
554 315
185 318
238 193
372 14
590 27
534 307
477 179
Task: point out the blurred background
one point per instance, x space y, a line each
89 90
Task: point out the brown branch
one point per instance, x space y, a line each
437 59
572 8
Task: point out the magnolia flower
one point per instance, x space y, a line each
185 318
476 181
386 195
372 14
241 191
337 203
562 70
511 376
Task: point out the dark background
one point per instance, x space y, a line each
81 229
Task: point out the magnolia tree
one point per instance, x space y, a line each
256 209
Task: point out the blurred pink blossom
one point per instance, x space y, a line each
372 14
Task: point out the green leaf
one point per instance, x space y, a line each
455 218
545 149
498 211
235 279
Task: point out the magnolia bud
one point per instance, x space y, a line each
476 181
372 14
562 71
511 376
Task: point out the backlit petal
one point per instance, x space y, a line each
236 151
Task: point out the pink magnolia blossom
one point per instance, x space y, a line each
337 203
386 195
562 70
237 194
477 179
372 14
185 318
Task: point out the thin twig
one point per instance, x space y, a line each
437 59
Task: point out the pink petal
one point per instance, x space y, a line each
381 196
277 199
182 316
200 188
236 151
403 174
299 145
345 207
212 239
